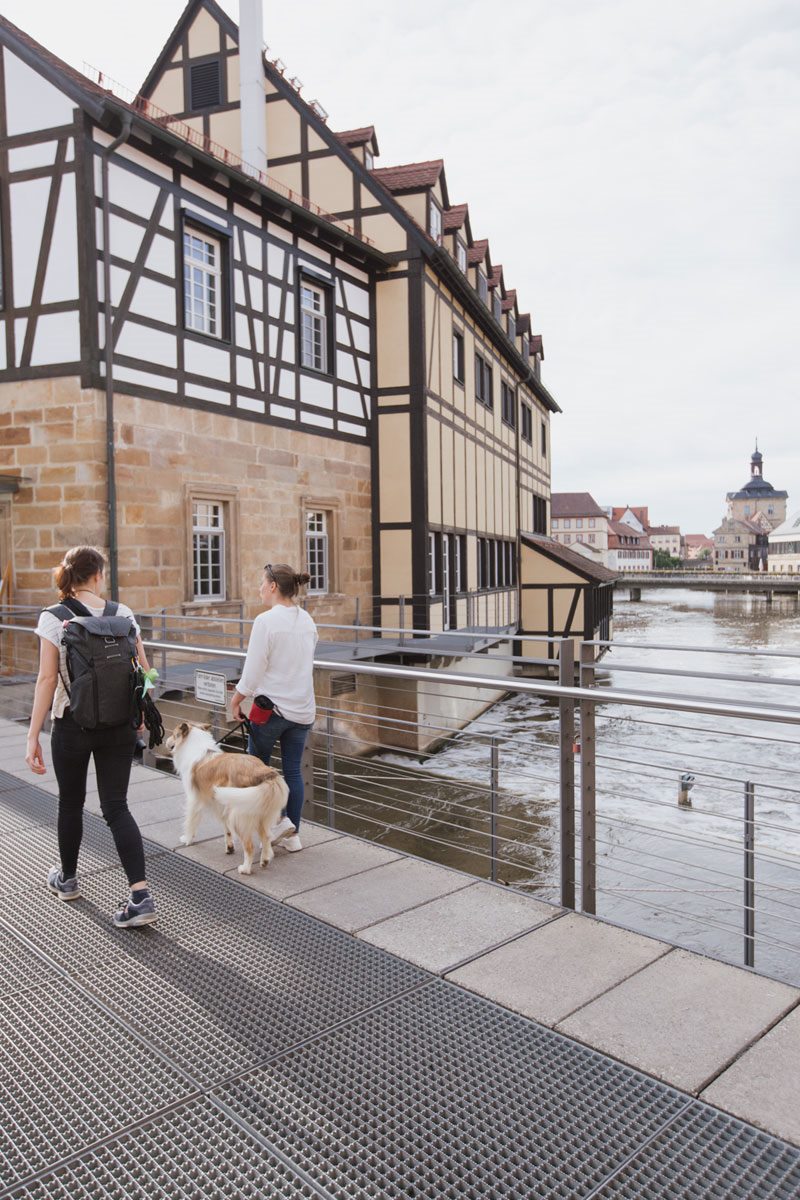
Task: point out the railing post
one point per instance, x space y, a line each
494 771
402 618
358 615
241 624
588 793
163 638
566 741
307 772
329 771
749 875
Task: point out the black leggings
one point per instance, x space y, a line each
72 747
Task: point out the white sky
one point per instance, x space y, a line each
635 166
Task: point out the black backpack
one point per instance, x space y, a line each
101 664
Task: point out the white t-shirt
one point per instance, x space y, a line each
280 662
52 630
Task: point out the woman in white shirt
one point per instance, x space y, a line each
80 580
280 667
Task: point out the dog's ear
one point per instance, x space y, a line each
181 729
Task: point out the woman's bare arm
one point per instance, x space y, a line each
46 682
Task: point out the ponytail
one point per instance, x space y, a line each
287 580
78 565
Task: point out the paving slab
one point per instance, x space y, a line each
559 967
334 858
210 848
763 1086
444 932
683 1018
168 833
379 893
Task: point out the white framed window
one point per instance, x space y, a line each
433 562
460 562
369 158
591 522
202 282
317 556
208 550
483 286
554 523
313 326
461 256
497 305
434 221
579 523
458 355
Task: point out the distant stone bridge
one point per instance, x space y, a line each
767 584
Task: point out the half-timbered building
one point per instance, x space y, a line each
229 333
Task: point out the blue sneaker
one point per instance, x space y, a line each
131 915
65 889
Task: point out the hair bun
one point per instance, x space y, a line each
302 578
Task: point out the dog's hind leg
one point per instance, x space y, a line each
267 853
191 821
228 840
246 868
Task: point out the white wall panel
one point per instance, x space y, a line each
280 411
309 418
238 287
130 375
252 250
242 331
57 340
28 158
3 358
273 341
316 391
348 427
244 372
349 402
61 280
161 256
275 259
274 294
31 102
288 348
315 252
125 237
250 405
286 390
198 392
360 336
200 359
28 208
149 345
151 165
128 190
345 367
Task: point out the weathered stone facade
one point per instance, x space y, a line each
53 433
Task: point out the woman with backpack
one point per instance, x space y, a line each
108 734
278 678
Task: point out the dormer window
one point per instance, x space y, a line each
434 221
497 305
526 346
461 256
369 158
483 287
512 326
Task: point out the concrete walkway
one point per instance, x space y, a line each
715 1031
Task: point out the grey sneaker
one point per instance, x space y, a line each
65 889
132 915
292 844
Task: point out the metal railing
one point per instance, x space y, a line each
674 814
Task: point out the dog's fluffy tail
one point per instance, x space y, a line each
243 797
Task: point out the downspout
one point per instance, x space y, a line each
113 547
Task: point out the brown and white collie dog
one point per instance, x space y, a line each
240 790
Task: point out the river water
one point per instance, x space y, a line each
671 872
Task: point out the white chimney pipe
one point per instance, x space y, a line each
251 90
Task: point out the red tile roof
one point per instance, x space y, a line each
524 323
478 251
574 504
618 530
641 514
510 300
454 218
496 276
663 530
411 177
357 137
537 345
698 539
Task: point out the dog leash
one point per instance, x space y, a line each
244 724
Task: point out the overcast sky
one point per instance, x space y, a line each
635 166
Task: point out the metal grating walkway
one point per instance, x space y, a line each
243 1049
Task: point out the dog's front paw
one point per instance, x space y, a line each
243 870
185 841
229 847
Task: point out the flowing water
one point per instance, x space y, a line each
669 871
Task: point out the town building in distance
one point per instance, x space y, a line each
741 542
784 547
697 547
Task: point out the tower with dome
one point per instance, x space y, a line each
741 543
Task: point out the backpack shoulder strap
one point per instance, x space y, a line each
62 611
110 609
